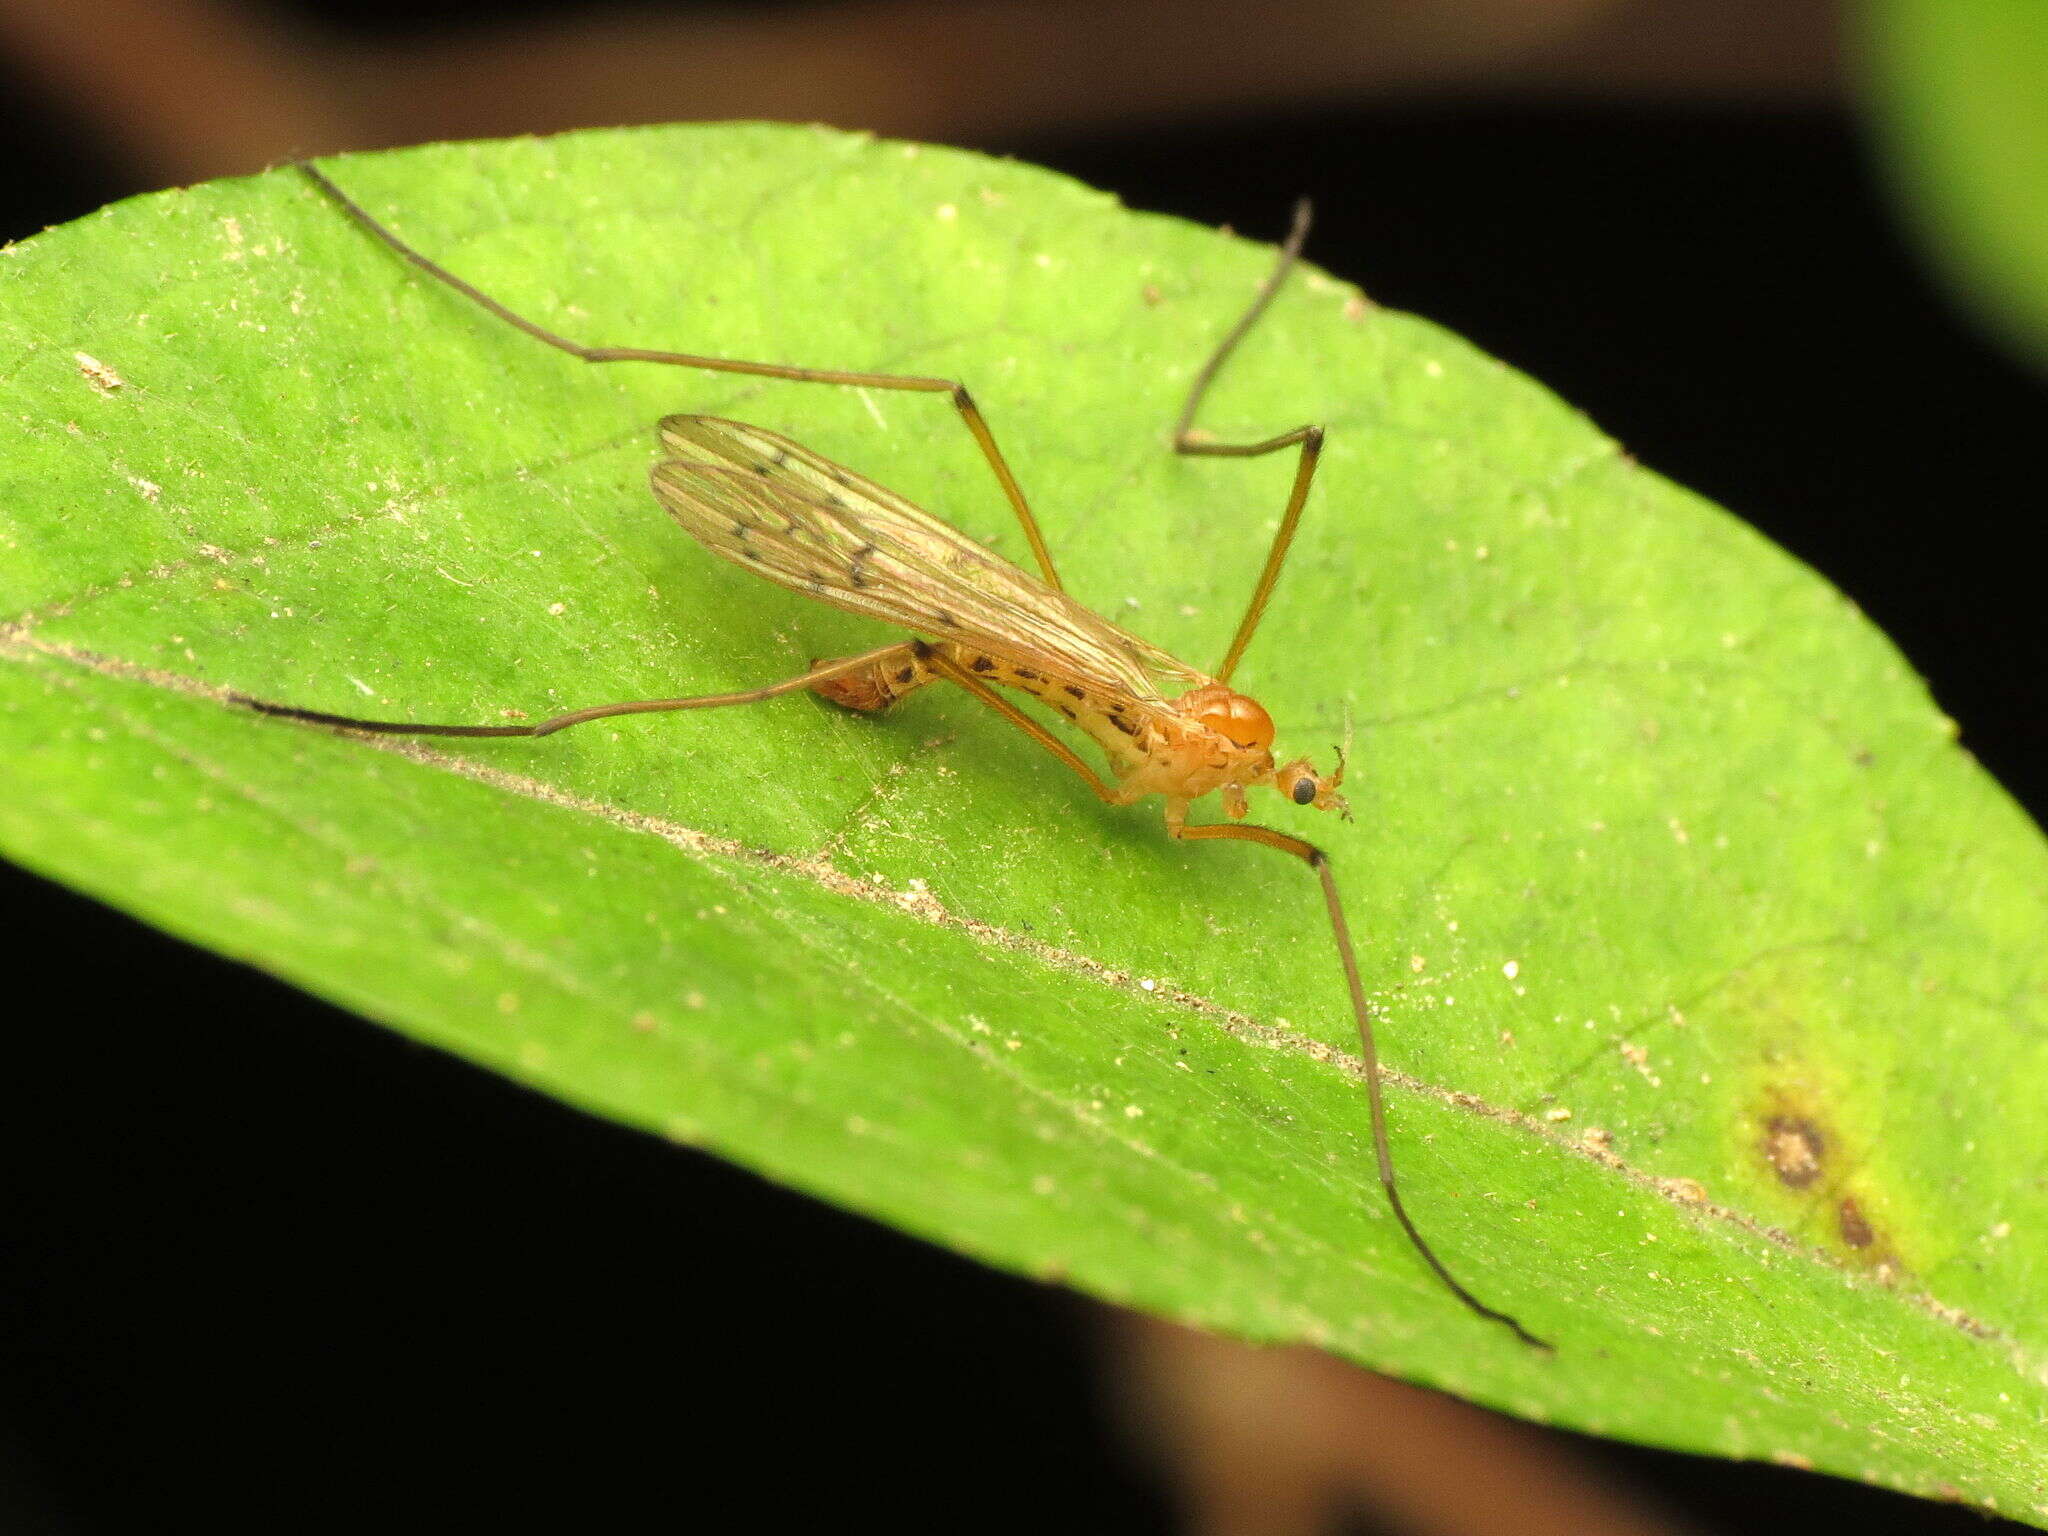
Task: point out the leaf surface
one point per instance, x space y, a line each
1710 969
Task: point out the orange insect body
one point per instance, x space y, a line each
1210 738
779 510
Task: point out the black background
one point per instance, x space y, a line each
266 1266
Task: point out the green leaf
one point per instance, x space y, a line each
1712 970
1959 90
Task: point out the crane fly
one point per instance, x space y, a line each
771 506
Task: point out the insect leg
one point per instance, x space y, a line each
824 672
1361 1010
1308 438
963 402
953 672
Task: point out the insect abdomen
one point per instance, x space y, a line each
873 689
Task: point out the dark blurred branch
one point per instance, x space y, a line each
194 88
1282 1442
185 89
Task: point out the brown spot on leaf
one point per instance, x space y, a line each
1794 1147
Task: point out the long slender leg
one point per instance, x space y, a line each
823 673
1361 1010
963 402
1309 438
953 672
1340 930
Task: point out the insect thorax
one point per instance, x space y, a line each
1207 739
1188 757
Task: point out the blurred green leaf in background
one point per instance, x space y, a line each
1959 94
1712 972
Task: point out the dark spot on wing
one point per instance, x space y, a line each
1076 692
1025 673
853 572
947 617
1116 718
984 664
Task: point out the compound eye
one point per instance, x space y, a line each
1304 791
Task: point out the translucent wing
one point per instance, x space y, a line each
773 506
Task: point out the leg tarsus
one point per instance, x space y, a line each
819 673
1290 252
1308 438
963 402
1361 1009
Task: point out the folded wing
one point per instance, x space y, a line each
771 505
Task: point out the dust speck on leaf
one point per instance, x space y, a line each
98 374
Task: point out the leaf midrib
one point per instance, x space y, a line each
17 644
